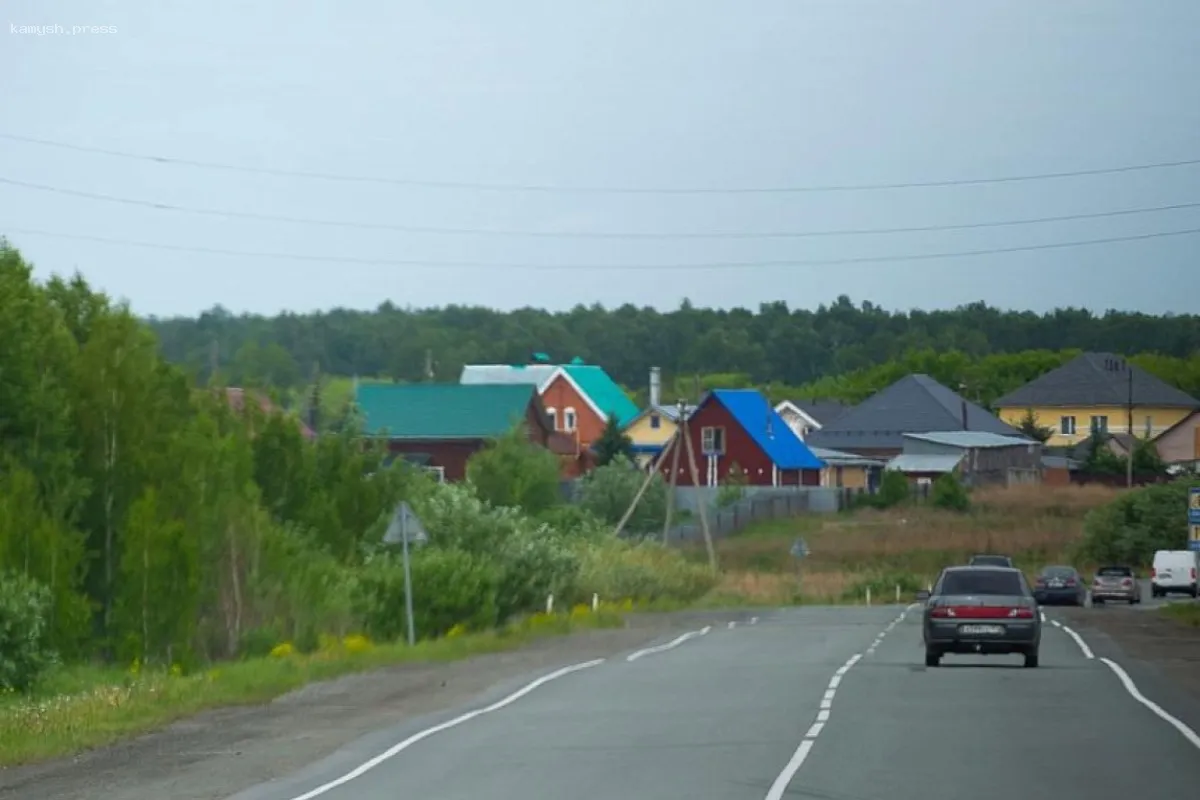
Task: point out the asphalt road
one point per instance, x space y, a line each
831 703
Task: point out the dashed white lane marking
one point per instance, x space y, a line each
731 625
754 620
366 766
1158 710
678 640
784 779
1043 615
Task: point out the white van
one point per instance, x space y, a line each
1175 571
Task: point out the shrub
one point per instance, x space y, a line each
883 586
645 572
514 472
608 491
893 490
1130 528
533 564
25 609
449 587
949 494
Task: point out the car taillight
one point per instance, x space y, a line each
1021 613
1193 573
1127 582
1041 581
1153 572
982 612
942 611
1070 581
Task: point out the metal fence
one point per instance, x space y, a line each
765 504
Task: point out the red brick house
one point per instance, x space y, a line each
440 426
739 426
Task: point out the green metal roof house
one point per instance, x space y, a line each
441 425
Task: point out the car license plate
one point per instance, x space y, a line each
981 630
1056 584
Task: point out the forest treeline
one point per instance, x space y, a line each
773 345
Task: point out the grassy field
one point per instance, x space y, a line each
905 547
1185 613
82 707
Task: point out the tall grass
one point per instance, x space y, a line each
1036 525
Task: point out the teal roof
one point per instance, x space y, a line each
441 410
603 391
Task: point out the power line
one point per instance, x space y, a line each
212 212
544 188
718 265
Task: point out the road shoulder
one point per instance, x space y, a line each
219 753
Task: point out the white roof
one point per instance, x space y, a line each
836 457
906 463
533 374
970 439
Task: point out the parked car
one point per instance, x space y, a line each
1116 583
1060 584
1175 571
984 560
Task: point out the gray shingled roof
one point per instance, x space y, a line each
1096 379
823 411
971 440
913 404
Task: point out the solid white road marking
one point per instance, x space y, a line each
1087 651
366 766
669 645
1132 688
781 783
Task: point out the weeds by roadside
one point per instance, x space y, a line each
904 547
82 707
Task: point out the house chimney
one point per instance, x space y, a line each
964 415
655 386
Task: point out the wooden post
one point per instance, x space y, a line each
700 504
637 498
674 473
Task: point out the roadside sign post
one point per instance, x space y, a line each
404 526
1193 513
799 551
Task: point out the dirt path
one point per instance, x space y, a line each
1143 633
218 753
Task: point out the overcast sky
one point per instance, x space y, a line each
615 93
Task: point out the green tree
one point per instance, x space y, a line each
607 492
949 494
613 443
894 489
1034 429
513 471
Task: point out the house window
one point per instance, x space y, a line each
438 473
655 421
568 419
1100 424
1066 426
553 414
712 441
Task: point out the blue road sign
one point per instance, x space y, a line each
1194 505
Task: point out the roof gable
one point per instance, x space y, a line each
913 404
763 424
1096 379
442 410
670 413
595 385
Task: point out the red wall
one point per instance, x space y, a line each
559 395
451 455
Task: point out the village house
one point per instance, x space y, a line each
738 428
913 404
1098 392
805 418
652 427
578 398
440 426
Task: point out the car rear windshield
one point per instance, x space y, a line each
1116 572
1058 572
994 561
982 581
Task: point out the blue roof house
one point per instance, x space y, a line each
738 428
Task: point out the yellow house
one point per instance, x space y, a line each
1097 391
651 429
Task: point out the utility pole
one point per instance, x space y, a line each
674 473
701 505
1132 438
429 365
673 442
